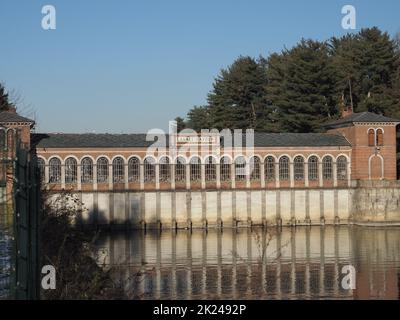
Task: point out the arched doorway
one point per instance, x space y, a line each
376 167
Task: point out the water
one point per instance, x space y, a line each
292 263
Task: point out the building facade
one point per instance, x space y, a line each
303 177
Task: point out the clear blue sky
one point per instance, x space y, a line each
128 66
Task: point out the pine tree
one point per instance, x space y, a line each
4 101
302 86
238 96
198 118
368 61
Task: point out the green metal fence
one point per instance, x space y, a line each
19 222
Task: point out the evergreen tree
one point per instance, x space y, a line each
199 118
180 124
367 63
301 85
238 96
4 101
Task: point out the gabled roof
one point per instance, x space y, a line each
9 116
359 117
91 140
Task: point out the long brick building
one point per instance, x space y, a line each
132 176
359 146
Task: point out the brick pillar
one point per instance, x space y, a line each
203 176
321 180
291 174
218 173
95 176
335 174
306 182
110 177
141 176
233 175
172 166
262 174
79 176
187 175
157 166
126 176
62 174
277 182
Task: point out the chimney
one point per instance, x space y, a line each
12 109
347 111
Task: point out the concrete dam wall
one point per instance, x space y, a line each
361 203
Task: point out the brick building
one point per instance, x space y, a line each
359 146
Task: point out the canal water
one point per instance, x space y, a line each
287 263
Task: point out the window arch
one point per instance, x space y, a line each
240 168
225 168
71 167
102 170
118 170
255 164
284 168
180 169
195 169
133 169
41 168
54 170
10 140
379 137
313 168
2 138
371 137
299 168
210 169
342 168
86 170
165 171
270 168
327 168
149 170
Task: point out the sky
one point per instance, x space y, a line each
130 66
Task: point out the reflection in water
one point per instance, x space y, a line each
291 263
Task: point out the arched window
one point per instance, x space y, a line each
255 168
54 170
240 168
379 137
165 171
133 169
313 168
342 168
118 170
149 170
371 137
71 170
284 168
269 168
299 168
225 168
102 170
10 140
195 169
87 170
180 170
2 138
327 168
41 168
210 169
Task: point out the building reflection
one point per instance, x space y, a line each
291 263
